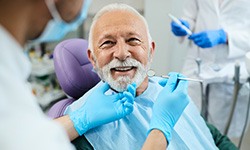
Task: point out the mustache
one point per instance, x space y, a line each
128 62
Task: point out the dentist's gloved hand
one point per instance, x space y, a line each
210 38
177 30
100 109
169 105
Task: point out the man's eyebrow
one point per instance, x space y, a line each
109 36
106 36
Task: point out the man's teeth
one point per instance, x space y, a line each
123 68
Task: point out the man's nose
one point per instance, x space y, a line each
122 51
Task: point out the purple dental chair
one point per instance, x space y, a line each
73 71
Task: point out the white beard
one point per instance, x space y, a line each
121 83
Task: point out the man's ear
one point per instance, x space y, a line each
152 50
91 58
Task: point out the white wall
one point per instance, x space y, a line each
169 55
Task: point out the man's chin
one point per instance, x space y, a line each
120 85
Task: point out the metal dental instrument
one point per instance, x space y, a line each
198 62
151 73
237 86
189 32
204 102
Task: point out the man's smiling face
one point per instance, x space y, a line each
121 50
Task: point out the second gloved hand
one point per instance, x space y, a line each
210 38
169 105
177 29
100 109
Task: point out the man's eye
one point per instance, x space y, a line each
107 44
133 41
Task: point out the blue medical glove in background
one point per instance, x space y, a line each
100 109
177 30
169 105
210 38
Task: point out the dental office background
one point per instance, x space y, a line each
169 54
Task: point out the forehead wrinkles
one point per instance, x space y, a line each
119 20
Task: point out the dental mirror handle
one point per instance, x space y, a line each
186 79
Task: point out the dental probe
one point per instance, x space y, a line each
151 73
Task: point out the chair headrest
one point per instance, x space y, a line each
73 68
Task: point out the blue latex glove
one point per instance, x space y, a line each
170 104
210 38
177 30
100 109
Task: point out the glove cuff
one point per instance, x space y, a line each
165 128
80 126
167 135
223 36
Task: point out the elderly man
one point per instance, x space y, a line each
121 50
23 125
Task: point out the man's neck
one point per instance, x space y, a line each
142 87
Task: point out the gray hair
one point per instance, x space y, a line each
115 7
